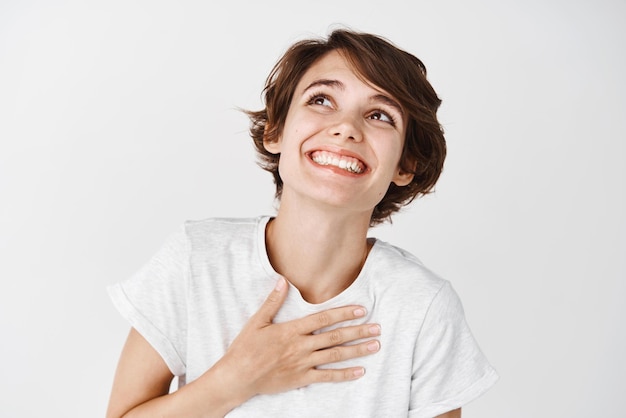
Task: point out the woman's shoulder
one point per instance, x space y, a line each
222 223
209 230
408 274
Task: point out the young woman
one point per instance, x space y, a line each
352 326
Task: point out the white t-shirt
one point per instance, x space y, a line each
194 296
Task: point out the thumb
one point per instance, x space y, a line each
266 313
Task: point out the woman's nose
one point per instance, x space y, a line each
347 128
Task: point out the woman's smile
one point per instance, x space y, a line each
349 164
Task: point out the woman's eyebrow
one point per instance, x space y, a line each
388 101
339 85
325 82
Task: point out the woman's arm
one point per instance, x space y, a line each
141 375
142 383
264 358
452 414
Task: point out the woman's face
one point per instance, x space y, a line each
342 139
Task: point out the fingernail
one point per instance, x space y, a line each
373 346
359 312
359 372
280 284
375 330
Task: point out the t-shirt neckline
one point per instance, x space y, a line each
346 297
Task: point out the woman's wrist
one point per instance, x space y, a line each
214 394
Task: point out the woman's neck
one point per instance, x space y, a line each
319 254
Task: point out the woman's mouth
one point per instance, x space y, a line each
350 164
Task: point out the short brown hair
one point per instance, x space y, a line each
399 73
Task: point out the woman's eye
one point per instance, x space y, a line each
320 100
382 116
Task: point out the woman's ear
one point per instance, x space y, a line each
271 141
402 178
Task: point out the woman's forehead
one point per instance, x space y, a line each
332 69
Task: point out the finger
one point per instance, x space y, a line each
273 302
343 335
345 352
334 375
324 319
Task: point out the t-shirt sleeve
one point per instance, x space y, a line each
449 369
154 301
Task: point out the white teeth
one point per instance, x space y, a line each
346 163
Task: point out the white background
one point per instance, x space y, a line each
119 120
